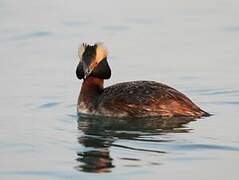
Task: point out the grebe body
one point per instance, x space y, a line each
127 99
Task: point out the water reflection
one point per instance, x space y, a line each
102 133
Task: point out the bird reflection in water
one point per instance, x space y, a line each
101 133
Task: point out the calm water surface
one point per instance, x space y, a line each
190 45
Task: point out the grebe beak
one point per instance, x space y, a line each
88 69
87 72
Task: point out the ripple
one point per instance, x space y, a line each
223 92
18 147
116 28
59 174
49 105
130 159
191 158
197 147
223 102
72 115
138 149
216 91
31 35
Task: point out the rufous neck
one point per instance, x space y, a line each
93 83
91 88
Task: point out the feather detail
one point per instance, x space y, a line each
81 50
101 52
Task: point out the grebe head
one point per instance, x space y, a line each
93 62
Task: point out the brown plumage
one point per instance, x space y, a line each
135 99
128 99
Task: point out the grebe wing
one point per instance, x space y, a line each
143 97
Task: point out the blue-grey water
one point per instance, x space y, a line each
190 45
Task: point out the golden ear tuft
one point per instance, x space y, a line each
101 52
81 50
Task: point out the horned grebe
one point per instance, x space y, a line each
127 99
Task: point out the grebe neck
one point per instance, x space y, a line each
91 89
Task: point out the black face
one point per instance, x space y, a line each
102 70
89 55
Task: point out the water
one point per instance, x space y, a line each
190 45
